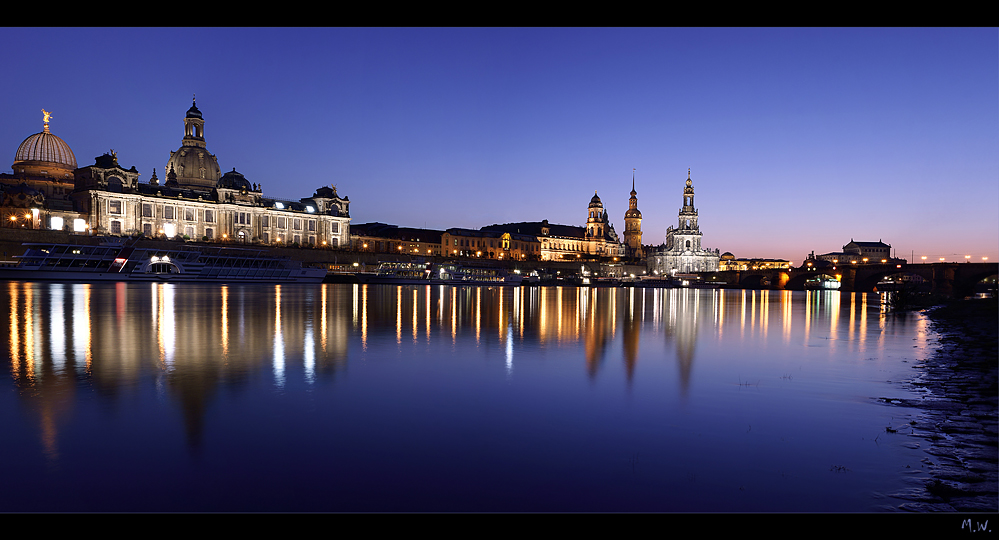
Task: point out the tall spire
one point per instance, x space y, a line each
633 223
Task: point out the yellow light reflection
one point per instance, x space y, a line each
15 329
279 369
225 324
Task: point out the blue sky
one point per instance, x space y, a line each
797 139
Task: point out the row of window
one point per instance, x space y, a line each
115 207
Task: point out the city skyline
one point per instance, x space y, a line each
797 140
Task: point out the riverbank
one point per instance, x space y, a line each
958 424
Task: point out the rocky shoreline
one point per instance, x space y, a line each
958 423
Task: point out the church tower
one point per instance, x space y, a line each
682 252
596 220
633 224
687 235
192 164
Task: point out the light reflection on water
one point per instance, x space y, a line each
449 398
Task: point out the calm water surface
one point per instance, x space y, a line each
165 397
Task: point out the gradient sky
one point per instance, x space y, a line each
797 139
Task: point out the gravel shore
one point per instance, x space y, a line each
958 424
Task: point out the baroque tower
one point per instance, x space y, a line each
633 224
192 164
682 252
596 220
687 235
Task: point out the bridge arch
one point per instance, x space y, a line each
797 282
755 281
892 279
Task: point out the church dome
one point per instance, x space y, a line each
44 154
595 201
193 165
633 213
234 180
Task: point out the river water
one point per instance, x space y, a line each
177 397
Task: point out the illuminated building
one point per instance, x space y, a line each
196 201
596 241
633 225
491 243
730 262
859 253
383 238
41 182
682 252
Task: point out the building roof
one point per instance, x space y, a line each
879 243
394 232
534 228
44 147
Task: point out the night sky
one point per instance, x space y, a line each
797 139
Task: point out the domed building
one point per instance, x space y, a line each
45 155
197 202
42 179
601 239
194 166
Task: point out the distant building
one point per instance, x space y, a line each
196 201
859 253
382 238
42 181
489 243
596 241
729 262
554 242
682 252
633 226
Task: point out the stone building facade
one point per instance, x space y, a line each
859 253
633 226
384 238
682 251
40 186
196 201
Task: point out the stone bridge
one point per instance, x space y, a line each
949 279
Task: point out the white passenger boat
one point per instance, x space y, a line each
463 274
397 273
117 261
451 273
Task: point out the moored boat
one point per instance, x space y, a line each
453 273
120 261
396 273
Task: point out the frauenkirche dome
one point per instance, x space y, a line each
193 165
